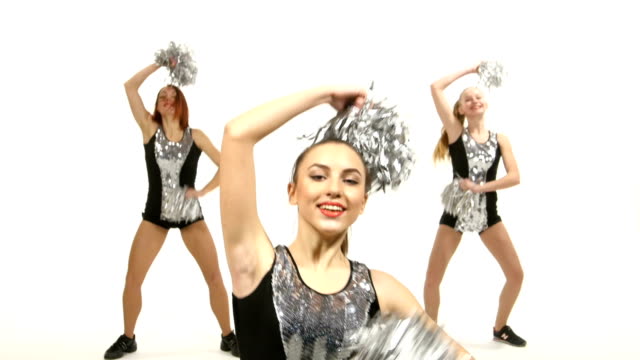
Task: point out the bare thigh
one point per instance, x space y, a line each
146 244
444 246
499 244
199 242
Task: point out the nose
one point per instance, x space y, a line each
334 187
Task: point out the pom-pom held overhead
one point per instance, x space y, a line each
377 133
178 59
491 74
390 338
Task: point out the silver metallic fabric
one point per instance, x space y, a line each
388 337
170 157
469 207
185 71
377 133
491 74
318 326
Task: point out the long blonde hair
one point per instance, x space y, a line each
441 152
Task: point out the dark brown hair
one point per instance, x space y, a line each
181 112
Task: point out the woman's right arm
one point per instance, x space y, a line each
249 251
450 123
142 116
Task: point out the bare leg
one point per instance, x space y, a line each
146 245
199 241
444 246
497 240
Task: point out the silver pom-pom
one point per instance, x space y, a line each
379 136
456 201
390 338
184 72
491 74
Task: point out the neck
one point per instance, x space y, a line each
171 127
476 125
313 250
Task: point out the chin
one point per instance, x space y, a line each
330 231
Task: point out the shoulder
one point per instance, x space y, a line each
197 133
150 131
393 296
385 283
502 139
199 137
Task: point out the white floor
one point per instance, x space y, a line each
563 343
69 317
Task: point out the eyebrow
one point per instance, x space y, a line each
325 167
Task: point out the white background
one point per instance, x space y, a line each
74 181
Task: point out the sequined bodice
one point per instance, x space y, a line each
316 326
170 157
477 162
480 156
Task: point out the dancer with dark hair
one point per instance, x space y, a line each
172 150
307 300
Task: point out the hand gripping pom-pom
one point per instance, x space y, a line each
178 59
456 201
379 136
491 74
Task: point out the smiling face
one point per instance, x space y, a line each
329 187
472 103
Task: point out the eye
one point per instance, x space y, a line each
352 181
317 177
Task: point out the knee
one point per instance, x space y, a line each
133 282
214 279
516 275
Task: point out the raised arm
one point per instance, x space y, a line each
249 251
451 125
140 114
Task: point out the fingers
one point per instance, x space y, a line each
360 100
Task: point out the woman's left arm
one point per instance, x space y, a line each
512 178
202 141
394 298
